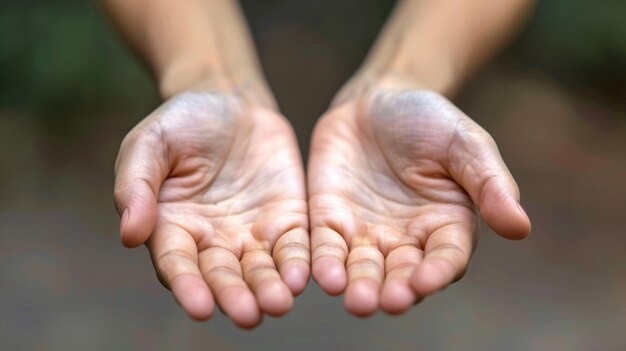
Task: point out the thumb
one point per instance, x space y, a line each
476 164
140 170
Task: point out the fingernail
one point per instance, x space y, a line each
124 221
522 211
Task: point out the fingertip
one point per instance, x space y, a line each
431 276
249 322
241 306
507 218
131 241
127 240
331 275
137 224
124 220
361 297
275 298
194 296
296 275
524 225
396 297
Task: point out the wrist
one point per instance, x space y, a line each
365 84
431 70
400 74
189 74
199 75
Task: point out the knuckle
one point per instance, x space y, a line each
364 262
487 139
259 268
330 249
400 266
149 132
173 261
290 246
454 249
222 270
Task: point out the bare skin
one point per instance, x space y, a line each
397 174
212 181
216 188
393 181
213 184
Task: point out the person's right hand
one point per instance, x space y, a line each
215 188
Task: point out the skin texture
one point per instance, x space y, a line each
394 180
398 174
213 184
216 190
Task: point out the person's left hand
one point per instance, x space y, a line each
394 178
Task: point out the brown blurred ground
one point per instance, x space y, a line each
67 284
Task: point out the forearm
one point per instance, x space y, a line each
193 45
436 44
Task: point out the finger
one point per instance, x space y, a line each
293 258
397 295
259 271
329 258
446 257
175 258
479 168
222 271
365 276
139 172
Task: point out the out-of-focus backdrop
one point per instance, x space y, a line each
555 101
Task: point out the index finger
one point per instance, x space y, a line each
446 256
175 257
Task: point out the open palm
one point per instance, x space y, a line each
216 190
393 184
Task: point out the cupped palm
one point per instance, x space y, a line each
394 179
215 188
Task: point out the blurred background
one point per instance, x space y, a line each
555 101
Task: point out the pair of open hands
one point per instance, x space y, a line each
216 189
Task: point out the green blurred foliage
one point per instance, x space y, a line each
582 42
57 57
61 59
